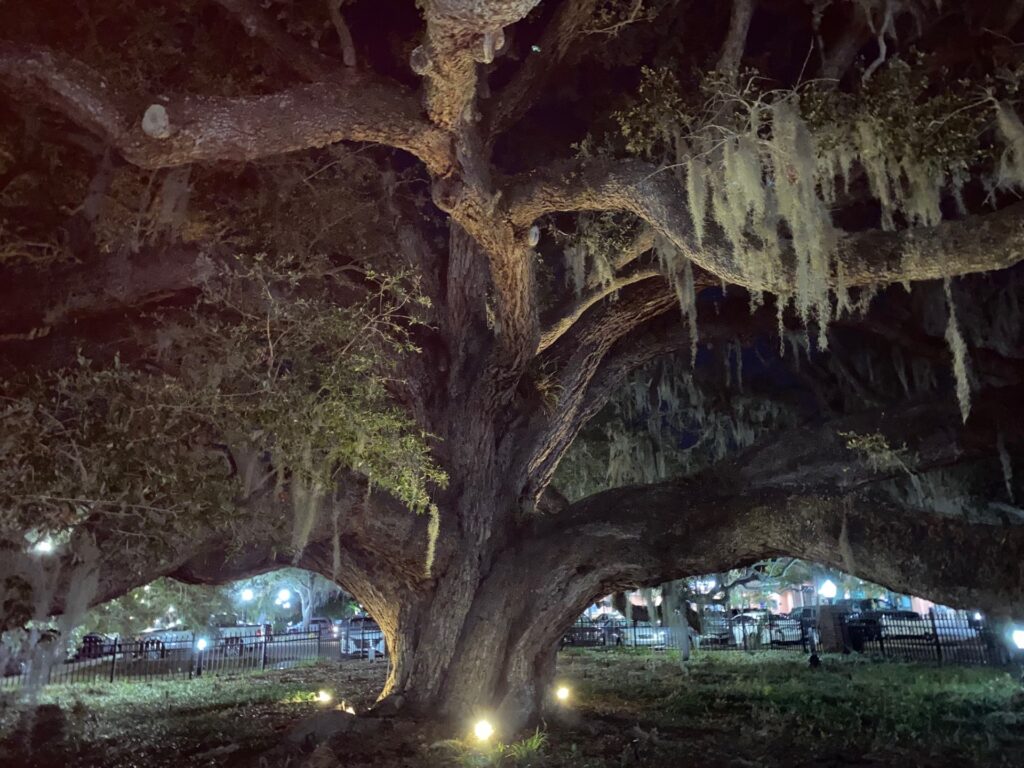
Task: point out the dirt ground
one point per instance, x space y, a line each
624 709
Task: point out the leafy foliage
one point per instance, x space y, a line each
267 385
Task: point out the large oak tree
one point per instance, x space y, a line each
279 276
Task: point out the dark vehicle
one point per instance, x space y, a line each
13 667
807 615
585 633
96 646
716 629
614 629
873 626
861 604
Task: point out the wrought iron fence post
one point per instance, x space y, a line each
935 634
263 650
318 636
113 660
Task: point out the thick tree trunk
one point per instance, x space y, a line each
498 665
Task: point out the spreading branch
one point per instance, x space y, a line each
558 327
115 283
976 243
805 494
195 129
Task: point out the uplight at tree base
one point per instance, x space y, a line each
562 694
483 730
1018 638
323 697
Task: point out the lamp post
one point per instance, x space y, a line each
247 597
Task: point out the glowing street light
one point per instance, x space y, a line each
201 644
828 590
284 595
247 595
43 547
1018 638
483 730
562 694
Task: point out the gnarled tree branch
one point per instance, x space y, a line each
557 328
804 494
976 243
196 129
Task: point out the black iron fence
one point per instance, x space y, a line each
181 656
718 631
942 637
947 637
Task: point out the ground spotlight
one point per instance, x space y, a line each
323 697
483 730
562 694
1018 638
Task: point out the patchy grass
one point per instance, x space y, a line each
773 709
182 723
626 709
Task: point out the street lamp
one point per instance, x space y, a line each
284 595
828 590
1018 639
247 597
43 547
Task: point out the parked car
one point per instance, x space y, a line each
318 626
96 646
955 625
806 615
242 638
156 643
362 636
875 625
642 633
782 630
716 629
585 633
324 626
13 666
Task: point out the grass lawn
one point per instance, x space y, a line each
626 709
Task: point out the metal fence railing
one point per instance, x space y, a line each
947 637
183 657
942 637
718 632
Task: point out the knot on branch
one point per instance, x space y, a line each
419 60
155 122
447 193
